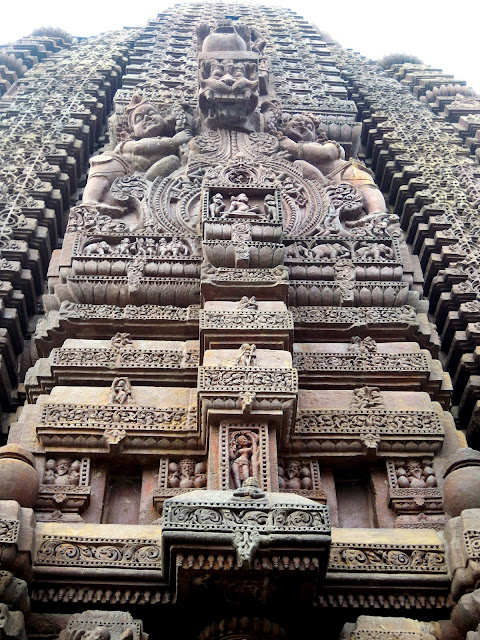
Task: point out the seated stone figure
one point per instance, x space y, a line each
325 162
147 150
240 207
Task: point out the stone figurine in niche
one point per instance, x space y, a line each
124 248
62 472
244 456
172 249
217 206
325 162
186 474
239 206
331 251
413 474
292 474
296 251
101 248
375 251
269 206
150 148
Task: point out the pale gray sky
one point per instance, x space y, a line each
442 34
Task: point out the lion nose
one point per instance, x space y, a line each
228 80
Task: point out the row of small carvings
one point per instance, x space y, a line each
338 324
190 267
406 477
350 421
388 600
328 250
39 125
404 314
154 357
441 164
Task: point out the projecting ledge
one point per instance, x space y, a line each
237 541
79 551
392 555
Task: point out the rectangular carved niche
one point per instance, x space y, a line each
229 204
177 475
301 477
64 490
242 450
414 494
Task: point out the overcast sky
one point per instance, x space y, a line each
442 34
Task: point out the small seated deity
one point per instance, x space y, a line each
240 207
270 207
217 206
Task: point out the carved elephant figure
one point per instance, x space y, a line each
375 251
331 251
296 251
98 249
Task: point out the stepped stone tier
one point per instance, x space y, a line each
239 336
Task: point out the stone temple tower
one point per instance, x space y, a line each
239 360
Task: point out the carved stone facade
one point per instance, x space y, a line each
234 401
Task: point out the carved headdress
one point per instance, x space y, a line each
135 103
126 120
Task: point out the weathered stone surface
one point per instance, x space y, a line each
237 350
376 628
20 481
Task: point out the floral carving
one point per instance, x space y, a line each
9 531
85 552
386 558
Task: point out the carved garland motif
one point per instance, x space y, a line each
101 552
387 557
